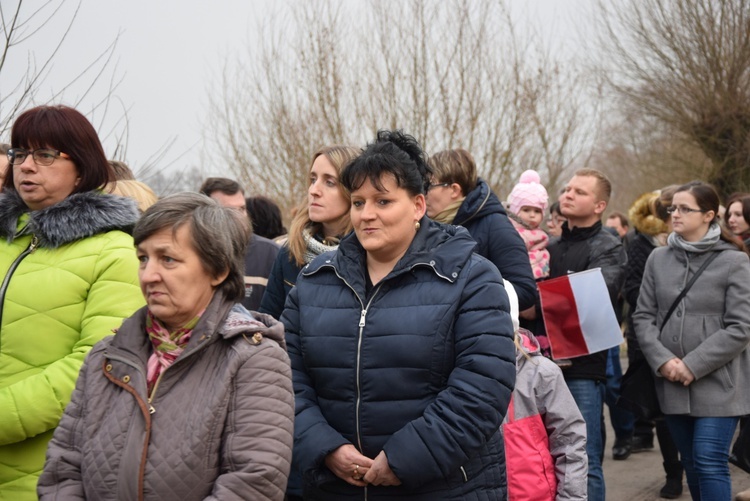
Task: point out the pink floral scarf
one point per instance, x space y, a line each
167 345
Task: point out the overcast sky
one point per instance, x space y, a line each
169 53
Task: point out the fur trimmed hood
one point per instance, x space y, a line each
643 216
76 217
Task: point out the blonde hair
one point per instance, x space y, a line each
339 156
138 191
603 184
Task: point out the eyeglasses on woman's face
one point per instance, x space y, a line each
41 156
682 209
437 185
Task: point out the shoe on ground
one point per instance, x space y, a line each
743 496
622 448
672 489
642 443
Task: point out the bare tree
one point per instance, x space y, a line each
23 72
686 64
453 74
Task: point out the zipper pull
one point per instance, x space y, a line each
151 409
362 318
34 243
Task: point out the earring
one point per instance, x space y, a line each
417 225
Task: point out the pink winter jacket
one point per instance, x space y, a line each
544 432
536 245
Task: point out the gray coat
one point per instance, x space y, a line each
709 330
218 426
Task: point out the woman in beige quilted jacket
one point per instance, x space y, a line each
192 398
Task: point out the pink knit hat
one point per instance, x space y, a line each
528 192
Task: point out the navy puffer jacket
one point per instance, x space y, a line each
484 216
422 368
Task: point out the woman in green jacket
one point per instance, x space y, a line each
69 276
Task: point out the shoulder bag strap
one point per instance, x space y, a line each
688 286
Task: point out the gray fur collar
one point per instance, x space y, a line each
78 216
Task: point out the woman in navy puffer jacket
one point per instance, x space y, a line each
401 347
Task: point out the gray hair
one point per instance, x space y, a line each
217 234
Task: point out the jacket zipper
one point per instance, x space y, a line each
146 416
147 409
362 322
6 281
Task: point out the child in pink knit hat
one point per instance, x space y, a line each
528 201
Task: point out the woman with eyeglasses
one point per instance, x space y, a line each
457 196
69 276
698 352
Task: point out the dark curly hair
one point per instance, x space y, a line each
392 152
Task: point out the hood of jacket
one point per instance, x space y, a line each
529 346
479 202
222 319
444 248
78 216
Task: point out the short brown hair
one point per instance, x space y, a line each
455 166
603 184
623 220
217 234
222 184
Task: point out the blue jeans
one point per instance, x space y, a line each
704 443
623 421
589 396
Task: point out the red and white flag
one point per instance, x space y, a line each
578 314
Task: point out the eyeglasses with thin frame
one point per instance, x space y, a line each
41 156
436 185
682 209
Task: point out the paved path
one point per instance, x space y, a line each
641 476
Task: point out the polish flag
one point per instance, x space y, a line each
578 314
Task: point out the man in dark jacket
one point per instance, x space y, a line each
261 252
584 246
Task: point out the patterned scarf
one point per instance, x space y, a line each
167 345
314 247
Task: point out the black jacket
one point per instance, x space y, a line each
422 368
583 249
280 282
484 216
259 260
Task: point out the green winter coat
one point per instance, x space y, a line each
75 279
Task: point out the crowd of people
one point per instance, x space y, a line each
391 344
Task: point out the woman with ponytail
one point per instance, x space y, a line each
695 336
317 227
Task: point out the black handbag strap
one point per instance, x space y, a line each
687 287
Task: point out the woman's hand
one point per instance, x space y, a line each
668 369
683 374
348 464
380 472
676 371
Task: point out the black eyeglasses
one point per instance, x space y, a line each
682 209
41 156
437 185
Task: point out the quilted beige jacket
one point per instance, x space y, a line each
218 426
